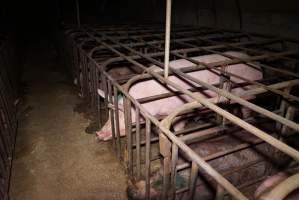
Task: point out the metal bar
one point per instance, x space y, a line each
128 122
118 142
111 112
193 179
147 159
167 37
138 162
219 193
174 158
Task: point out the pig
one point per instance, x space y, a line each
272 181
164 107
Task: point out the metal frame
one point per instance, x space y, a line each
142 46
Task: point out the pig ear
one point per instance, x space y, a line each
101 93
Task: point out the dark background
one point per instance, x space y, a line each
266 16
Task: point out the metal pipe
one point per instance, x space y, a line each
167 38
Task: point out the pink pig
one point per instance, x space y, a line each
270 183
164 107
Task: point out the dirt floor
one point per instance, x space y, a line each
54 158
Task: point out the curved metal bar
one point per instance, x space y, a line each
283 189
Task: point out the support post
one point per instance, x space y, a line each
167 38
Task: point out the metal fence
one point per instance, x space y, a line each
220 153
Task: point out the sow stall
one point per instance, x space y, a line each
8 121
219 154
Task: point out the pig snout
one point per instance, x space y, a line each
105 133
137 191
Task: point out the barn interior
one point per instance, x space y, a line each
148 99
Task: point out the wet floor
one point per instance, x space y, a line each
54 158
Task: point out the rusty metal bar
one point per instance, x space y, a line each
128 122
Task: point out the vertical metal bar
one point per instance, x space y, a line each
111 113
138 162
174 158
290 113
219 193
98 101
92 87
167 38
128 122
89 82
165 151
193 179
166 176
85 77
78 13
147 157
104 88
118 145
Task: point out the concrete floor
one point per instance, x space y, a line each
54 158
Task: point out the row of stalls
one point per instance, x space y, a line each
8 120
205 132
